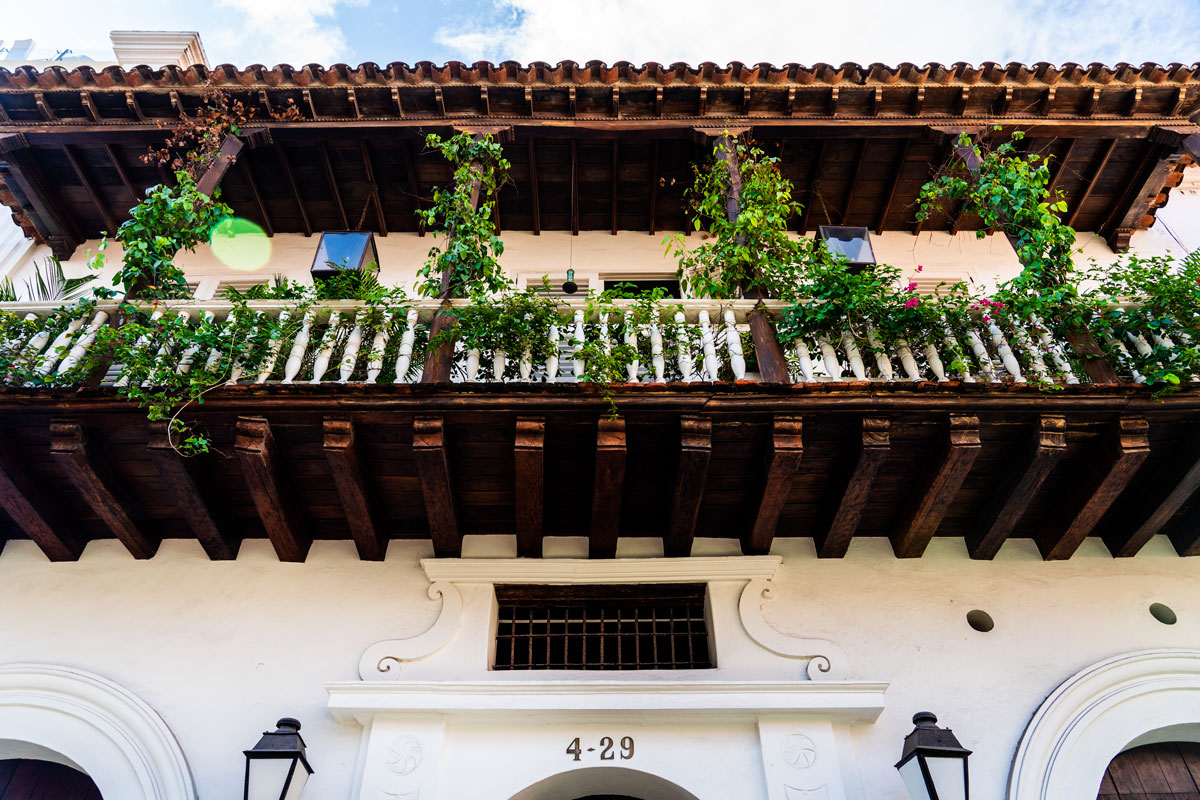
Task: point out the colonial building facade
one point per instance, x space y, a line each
739 585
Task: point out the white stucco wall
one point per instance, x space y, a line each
222 649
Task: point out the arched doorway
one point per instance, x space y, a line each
1159 771
604 783
31 779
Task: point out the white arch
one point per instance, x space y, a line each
1095 714
109 733
604 780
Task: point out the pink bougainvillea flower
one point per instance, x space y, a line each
919 268
912 287
912 302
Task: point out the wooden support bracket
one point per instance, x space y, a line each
695 449
273 497
785 446
936 491
607 488
433 466
874 446
93 479
342 451
529 487
31 510
1150 511
193 495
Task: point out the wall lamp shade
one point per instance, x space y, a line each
934 764
851 242
570 286
277 769
338 250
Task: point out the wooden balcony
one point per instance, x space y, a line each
870 439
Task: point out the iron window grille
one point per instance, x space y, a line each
640 626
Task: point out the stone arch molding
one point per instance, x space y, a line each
1095 714
111 734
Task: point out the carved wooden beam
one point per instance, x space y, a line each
607 487
814 187
1010 501
57 228
874 445
193 496
936 490
433 466
248 176
859 160
785 446
1133 211
231 147
89 186
533 189
530 488
1124 449
31 510
92 479
891 195
695 449
1091 182
114 155
1130 530
345 462
269 487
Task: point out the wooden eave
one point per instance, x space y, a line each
857 142
976 462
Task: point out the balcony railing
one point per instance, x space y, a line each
691 341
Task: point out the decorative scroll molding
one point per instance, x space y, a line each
612 570
826 662
383 659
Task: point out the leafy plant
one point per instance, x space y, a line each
752 253
465 263
49 284
8 292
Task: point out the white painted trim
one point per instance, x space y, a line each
609 570
115 737
1096 714
847 701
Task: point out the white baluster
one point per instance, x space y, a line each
188 358
909 362
273 348
687 367
13 345
83 342
805 359
981 355
964 372
162 358
525 365
656 353
853 356
404 352
1035 357
577 365
325 353
1006 354
59 347
226 334
235 371
1124 351
552 358
499 362
631 340
142 342
1061 363
378 345
711 365
829 358
733 342
934 359
1140 344
350 351
299 347
472 367
883 362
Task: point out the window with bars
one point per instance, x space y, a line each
641 626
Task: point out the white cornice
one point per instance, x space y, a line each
843 700
611 570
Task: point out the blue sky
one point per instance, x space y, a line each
328 31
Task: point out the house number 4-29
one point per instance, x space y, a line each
608 749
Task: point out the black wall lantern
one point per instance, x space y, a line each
570 287
276 769
851 242
338 250
934 764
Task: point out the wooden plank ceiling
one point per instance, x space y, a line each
371 464
593 147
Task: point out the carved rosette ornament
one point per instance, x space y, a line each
826 661
382 660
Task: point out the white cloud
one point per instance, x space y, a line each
271 32
806 31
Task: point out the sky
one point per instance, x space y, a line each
298 32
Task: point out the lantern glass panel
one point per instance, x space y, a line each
266 777
299 778
914 781
949 777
